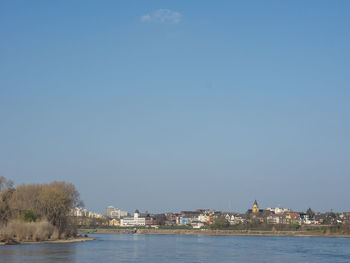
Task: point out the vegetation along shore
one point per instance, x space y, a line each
38 213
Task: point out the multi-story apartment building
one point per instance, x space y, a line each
113 212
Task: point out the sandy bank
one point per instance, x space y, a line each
58 241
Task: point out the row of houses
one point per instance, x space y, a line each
196 219
81 212
205 217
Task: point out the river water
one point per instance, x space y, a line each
181 248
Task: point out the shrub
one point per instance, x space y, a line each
28 231
29 216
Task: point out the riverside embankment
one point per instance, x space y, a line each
208 232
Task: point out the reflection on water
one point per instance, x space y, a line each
176 248
38 253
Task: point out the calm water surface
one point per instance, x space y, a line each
177 248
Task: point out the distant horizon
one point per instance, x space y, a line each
223 210
179 105
143 210
131 211
213 209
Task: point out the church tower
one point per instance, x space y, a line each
255 208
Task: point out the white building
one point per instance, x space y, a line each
278 210
109 210
80 212
119 213
114 212
197 224
234 219
133 221
273 219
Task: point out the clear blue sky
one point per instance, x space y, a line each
177 105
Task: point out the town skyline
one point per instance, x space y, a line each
129 211
256 216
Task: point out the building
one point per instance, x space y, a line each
136 220
113 212
80 212
119 213
255 208
109 210
255 211
273 219
150 220
234 218
197 224
278 210
114 222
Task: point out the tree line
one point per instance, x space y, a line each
32 204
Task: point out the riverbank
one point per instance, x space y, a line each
57 241
208 232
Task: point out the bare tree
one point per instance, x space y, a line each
5 184
6 191
56 201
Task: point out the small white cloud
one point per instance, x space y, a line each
145 18
162 16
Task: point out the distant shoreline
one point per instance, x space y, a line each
57 241
206 232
